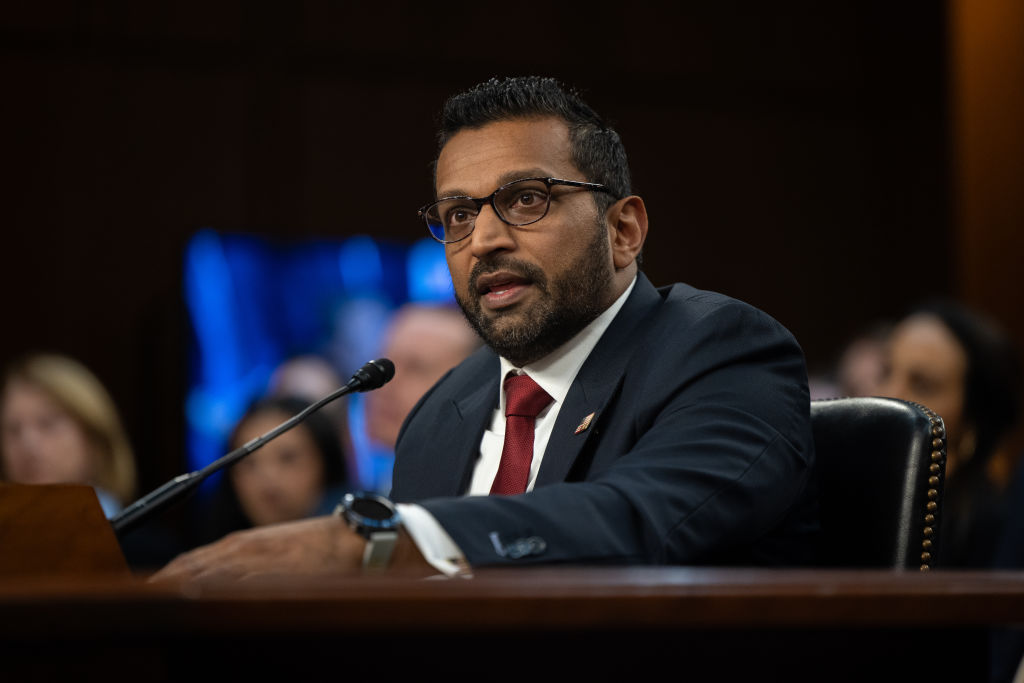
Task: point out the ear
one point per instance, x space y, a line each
627 223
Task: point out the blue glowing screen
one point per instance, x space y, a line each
254 304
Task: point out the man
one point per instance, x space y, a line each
423 342
661 426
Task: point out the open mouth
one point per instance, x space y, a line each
501 289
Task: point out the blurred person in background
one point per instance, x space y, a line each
299 474
423 342
858 369
861 367
308 376
964 368
312 377
60 426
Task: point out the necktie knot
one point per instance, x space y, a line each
524 397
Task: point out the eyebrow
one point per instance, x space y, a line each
503 179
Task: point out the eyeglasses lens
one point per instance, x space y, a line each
519 203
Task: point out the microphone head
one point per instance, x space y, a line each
374 374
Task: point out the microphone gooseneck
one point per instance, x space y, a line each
373 375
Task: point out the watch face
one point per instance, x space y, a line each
372 509
368 512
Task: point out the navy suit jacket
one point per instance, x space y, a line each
699 451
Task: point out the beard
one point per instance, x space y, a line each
568 302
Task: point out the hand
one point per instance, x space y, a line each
312 546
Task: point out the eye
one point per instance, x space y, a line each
12 429
288 457
457 216
245 465
527 198
922 385
50 423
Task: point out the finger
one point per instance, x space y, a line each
189 564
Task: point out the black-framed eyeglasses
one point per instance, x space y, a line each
521 202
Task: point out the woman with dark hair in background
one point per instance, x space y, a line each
299 474
964 368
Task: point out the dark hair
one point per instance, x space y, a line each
972 511
992 379
224 512
319 424
595 147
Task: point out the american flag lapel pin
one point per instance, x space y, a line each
582 427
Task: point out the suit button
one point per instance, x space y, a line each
523 547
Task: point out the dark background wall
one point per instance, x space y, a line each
800 156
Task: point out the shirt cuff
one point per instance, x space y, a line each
433 542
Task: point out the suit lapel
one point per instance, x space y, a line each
597 382
457 438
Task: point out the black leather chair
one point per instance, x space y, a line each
880 466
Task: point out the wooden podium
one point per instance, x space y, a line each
559 623
56 529
71 610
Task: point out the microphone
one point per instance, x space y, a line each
373 375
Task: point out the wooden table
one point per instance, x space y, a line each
567 623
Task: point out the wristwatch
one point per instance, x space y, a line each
375 518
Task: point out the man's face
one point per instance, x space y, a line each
529 289
423 343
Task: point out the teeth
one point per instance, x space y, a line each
500 288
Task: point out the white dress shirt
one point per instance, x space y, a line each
555 373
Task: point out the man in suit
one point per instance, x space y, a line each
661 425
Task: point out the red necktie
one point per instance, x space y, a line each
524 399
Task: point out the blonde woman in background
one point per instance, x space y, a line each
59 425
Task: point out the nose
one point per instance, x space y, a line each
490 234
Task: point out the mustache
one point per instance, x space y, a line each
523 269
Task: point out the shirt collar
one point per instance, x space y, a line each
556 371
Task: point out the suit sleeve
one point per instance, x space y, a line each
702 456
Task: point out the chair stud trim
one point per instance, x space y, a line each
936 475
